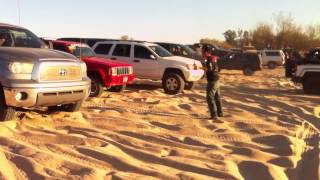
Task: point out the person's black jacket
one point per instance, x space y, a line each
212 71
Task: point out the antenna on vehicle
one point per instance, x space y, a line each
18 7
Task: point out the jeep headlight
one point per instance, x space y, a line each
21 68
113 71
130 70
190 66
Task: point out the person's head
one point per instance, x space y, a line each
206 51
2 39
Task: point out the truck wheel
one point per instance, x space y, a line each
96 87
74 107
272 65
173 83
118 88
310 85
6 112
189 85
248 71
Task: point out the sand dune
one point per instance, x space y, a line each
269 132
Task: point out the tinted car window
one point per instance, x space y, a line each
122 50
15 37
142 52
272 53
103 49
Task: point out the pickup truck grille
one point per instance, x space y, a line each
122 70
61 73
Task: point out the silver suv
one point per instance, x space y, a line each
151 61
32 76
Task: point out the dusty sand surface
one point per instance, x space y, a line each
145 134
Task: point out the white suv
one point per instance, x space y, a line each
272 58
151 61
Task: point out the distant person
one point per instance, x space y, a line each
2 39
213 87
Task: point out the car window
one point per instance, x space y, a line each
59 47
272 53
15 37
122 50
142 52
103 49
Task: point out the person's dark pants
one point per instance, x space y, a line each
213 99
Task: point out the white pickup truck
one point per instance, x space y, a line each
151 61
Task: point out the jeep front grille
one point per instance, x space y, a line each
123 70
61 73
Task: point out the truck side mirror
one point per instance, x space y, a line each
153 57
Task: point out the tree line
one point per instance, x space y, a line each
284 32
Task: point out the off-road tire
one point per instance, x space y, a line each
173 83
6 112
120 88
96 87
248 71
189 85
311 84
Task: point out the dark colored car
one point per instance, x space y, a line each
247 62
181 50
89 41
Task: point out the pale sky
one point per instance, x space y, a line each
181 21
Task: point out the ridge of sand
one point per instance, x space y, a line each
145 134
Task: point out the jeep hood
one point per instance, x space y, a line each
32 54
103 61
181 59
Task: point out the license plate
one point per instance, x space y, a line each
125 79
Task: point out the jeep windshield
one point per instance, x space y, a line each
161 51
79 50
14 37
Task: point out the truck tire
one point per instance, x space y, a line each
311 84
173 83
96 87
248 71
6 112
118 88
189 85
272 65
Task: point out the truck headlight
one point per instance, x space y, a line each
83 68
21 68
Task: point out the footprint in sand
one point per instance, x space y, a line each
187 107
166 126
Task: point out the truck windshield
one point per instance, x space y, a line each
161 51
14 37
82 50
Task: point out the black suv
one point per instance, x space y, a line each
247 62
181 50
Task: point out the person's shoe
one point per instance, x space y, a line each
220 115
216 120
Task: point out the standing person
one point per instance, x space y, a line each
213 87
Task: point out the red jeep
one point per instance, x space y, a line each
102 72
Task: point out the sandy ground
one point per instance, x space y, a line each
269 132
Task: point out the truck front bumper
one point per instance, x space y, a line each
194 75
49 94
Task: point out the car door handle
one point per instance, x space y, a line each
113 58
137 61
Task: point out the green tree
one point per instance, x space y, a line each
230 37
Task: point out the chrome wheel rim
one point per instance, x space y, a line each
172 84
